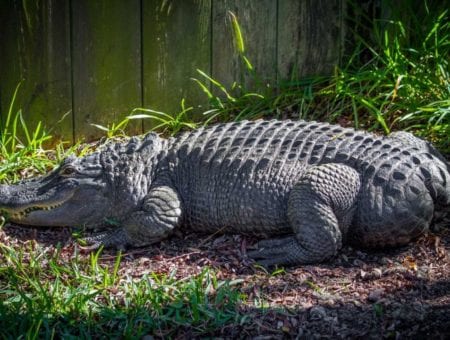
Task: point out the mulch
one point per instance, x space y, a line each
392 293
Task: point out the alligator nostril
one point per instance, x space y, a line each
4 192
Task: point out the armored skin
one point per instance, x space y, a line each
309 186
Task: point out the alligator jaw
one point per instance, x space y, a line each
24 204
21 214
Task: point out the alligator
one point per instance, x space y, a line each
310 187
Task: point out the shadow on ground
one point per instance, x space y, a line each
398 293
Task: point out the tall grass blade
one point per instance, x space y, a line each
237 33
11 107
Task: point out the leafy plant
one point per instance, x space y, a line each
166 122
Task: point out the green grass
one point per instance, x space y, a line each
45 294
402 82
15 154
22 151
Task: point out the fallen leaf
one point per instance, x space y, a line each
409 263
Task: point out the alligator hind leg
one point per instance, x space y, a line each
320 209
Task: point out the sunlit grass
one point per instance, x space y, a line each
44 295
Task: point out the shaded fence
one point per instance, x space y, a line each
92 61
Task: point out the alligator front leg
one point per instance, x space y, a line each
158 216
320 209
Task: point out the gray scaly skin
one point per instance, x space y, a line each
309 186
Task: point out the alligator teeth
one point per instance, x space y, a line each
30 209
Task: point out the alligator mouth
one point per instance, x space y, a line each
25 212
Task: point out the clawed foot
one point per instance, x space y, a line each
115 238
275 252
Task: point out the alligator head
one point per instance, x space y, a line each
73 193
83 191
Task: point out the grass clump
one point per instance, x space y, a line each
44 295
17 157
399 77
171 123
22 150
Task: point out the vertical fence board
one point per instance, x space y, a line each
35 50
257 20
106 63
309 37
106 57
176 43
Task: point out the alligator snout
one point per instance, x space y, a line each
4 197
4 193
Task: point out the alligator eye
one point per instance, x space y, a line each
69 170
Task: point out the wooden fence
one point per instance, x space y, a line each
92 61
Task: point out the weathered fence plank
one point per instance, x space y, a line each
257 20
106 52
310 37
176 42
34 45
100 59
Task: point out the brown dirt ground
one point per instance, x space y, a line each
398 293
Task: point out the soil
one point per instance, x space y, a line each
396 293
